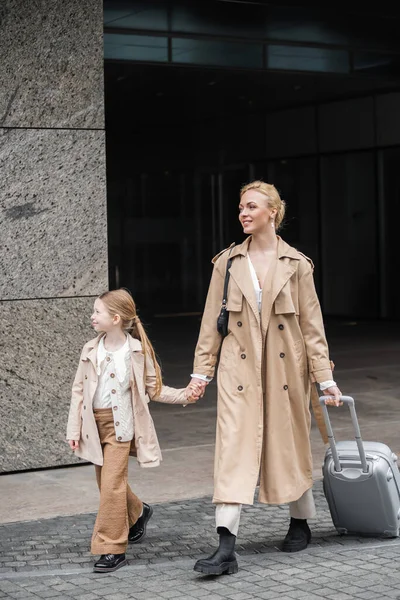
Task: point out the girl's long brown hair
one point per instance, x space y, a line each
120 302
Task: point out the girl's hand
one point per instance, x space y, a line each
73 444
336 393
193 392
199 384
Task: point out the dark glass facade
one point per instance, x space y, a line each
202 97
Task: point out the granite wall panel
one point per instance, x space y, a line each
51 63
40 344
53 216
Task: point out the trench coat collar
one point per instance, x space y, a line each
90 349
284 250
276 277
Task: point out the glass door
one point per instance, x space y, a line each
216 210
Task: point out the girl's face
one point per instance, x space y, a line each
254 212
101 318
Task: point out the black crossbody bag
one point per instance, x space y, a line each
223 317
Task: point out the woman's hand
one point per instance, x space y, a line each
336 393
200 384
73 444
193 392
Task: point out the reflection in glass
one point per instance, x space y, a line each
224 54
301 24
373 63
119 46
349 235
136 15
316 25
296 58
218 18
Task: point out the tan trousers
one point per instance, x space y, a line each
119 507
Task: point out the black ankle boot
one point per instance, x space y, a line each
224 559
298 537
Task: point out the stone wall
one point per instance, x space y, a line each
53 221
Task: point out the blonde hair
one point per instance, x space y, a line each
274 199
120 302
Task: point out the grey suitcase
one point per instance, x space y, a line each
361 483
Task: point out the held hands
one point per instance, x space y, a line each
336 393
73 444
195 390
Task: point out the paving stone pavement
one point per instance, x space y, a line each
50 559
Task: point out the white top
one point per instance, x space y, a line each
118 357
113 372
257 289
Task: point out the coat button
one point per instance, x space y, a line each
115 407
113 391
119 438
240 388
242 356
84 407
85 376
108 358
281 327
285 387
87 437
282 355
239 323
116 424
112 375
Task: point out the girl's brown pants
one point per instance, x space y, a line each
119 507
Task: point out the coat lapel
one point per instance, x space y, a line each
283 272
276 278
288 263
91 351
92 356
240 273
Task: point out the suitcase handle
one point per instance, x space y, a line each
336 460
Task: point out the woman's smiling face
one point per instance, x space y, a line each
254 212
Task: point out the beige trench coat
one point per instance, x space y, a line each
82 425
266 367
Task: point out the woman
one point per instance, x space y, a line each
275 348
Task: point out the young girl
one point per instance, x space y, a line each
109 419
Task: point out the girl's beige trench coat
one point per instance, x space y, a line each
82 425
266 366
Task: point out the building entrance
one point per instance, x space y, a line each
198 103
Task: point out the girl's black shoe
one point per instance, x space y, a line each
298 537
109 562
138 531
223 560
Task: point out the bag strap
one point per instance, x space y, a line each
227 275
